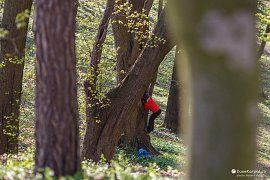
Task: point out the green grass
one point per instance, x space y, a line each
263 135
125 165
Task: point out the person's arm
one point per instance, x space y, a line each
144 103
146 107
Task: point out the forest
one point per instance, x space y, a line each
134 89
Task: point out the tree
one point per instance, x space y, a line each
57 134
129 45
130 40
172 117
219 38
11 74
103 135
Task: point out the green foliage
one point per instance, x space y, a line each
17 167
264 21
3 33
138 23
120 168
15 59
22 18
2 65
125 165
263 17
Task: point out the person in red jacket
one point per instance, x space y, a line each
150 104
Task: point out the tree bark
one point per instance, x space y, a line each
122 41
57 134
220 41
263 43
11 74
172 117
153 82
104 135
129 48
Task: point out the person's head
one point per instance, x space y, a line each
146 96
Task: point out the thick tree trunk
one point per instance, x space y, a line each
172 117
221 51
129 48
57 135
104 135
11 74
263 43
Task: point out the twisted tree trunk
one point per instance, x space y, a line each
11 74
104 135
128 50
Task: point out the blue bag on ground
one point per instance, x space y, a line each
144 153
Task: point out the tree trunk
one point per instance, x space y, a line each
220 41
263 43
11 74
122 41
103 136
153 82
57 134
129 48
172 117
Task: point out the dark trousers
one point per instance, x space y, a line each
152 118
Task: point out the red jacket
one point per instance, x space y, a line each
151 105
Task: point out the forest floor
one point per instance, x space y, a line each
126 164
263 132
